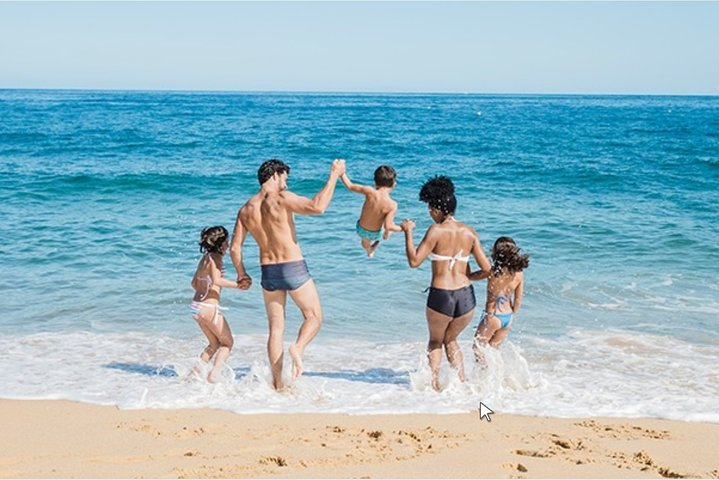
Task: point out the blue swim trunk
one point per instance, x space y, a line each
368 234
285 276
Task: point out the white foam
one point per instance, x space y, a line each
581 374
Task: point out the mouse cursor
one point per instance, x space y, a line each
484 411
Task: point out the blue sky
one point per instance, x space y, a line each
483 47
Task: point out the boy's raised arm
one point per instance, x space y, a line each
354 187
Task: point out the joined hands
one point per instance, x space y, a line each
338 167
244 282
407 225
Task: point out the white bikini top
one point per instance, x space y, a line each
452 260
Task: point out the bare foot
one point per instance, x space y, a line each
435 384
279 386
296 360
480 360
212 376
372 248
194 372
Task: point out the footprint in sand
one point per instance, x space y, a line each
275 460
667 473
515 467
534 453
574 445
558 447
187 432
643 458
379 446
628 432
644 462
144 428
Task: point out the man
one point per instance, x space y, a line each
269 217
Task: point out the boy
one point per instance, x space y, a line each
378 209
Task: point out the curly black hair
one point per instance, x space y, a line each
212 238
269 168
507 255
438 192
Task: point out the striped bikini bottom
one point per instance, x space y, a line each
196 307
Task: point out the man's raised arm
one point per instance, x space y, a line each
319 203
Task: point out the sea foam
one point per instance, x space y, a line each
582 374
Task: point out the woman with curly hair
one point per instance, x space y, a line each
449 244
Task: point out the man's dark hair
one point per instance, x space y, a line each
385 176
269 168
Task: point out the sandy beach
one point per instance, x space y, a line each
67 439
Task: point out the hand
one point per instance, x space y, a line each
244 281
338 167
478 275
407 225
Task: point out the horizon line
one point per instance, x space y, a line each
351 92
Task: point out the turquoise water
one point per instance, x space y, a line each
103 196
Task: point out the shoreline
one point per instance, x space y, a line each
60 439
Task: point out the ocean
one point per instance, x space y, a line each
103 195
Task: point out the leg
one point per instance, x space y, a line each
224 335
214 342
437 324
451 348
275 307
202 318
308 301
370 246
484 334
499 336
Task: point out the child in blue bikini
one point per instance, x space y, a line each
505 289
378 209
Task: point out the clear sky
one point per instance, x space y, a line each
483 47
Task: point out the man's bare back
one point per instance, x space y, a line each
269 220
269 217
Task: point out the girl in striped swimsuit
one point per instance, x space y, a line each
208 282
